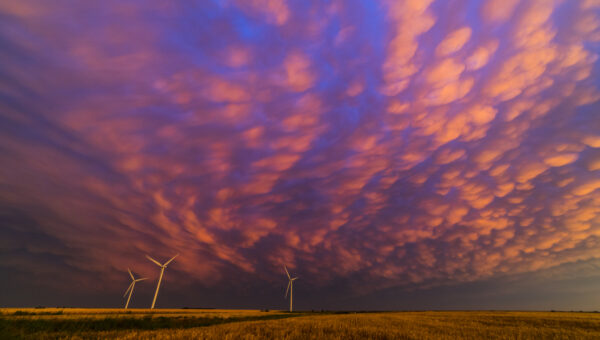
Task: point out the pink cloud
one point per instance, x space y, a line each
406 150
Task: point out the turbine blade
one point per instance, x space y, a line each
130 274
287 290
172 258
142 279
128 288
288 274
294 279
153 260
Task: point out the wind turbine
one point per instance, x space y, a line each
130 289
290 286
162 271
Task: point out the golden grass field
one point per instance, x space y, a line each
51 323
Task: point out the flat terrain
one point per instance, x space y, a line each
68 323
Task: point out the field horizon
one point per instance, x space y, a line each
182 323
4 310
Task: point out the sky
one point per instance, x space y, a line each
412 154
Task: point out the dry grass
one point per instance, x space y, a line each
247 324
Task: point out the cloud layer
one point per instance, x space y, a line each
378 144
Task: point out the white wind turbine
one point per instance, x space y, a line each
162 271
290 286
130 289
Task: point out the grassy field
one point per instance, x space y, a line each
50 323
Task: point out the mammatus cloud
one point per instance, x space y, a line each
388 144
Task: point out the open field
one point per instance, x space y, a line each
50 323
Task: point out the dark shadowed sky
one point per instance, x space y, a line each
411 154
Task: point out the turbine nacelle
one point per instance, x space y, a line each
131 285
290 285
162 270
159 264
133 278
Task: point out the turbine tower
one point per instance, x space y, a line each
130 289
290 286
162 271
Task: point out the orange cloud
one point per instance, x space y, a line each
481 56
498 10
454 41
586 187
560 160
298 74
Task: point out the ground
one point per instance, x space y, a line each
71 323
